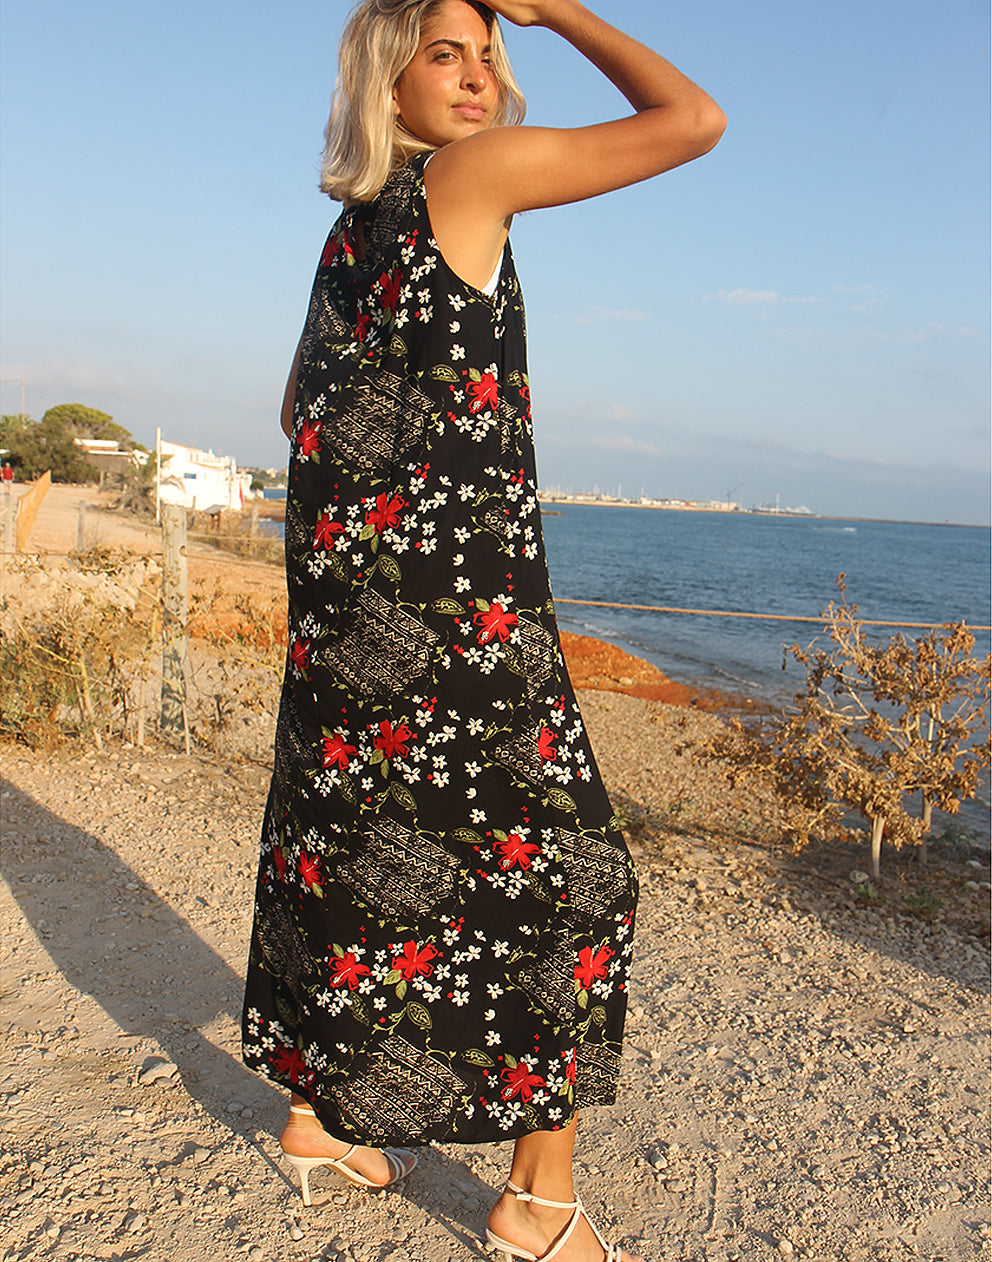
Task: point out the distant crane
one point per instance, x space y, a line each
731 494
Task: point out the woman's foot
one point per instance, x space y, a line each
536 1228
303 1136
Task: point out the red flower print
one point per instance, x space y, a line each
309 438
346 970
323 535
569 1058
483 393
299 655
546 745
386 512
516 850
520 1081
279 859
495 621
289 1062
415 961
337 242
337 752
362 326
393 740
592 966
390 286
310 870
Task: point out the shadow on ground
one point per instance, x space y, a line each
113 938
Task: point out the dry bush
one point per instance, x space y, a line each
81 661
877 722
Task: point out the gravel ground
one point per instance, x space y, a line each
805 1075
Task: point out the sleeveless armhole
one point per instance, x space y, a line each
492 284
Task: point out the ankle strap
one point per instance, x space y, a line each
521 1195
298 1108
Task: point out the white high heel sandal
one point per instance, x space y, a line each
504 1251
400 1164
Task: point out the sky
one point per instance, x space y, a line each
802 315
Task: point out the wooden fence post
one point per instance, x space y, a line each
81 527
175 608
8 544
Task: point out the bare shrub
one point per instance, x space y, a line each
876 723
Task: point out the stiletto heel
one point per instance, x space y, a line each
400 1164
303 1166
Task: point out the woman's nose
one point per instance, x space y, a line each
474 74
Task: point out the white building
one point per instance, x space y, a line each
199 479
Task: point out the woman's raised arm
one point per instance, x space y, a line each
509 169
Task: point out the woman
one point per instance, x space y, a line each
445 903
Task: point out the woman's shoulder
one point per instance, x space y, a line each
401 199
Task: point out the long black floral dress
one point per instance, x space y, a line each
445 903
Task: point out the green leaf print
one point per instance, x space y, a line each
358 1010
560 800
404 797
467 836
472 1056
512 660
419 1015
389 569
443 373
447 606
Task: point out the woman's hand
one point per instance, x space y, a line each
521 12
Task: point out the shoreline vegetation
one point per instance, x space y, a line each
807 1048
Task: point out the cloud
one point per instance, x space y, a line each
606 315
760 301
621 443
749 297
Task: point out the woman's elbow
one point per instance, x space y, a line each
709 124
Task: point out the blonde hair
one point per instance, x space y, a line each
364 140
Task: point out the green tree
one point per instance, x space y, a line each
84 422
35 446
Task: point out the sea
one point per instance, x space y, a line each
895 572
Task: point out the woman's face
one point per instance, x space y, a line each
448 90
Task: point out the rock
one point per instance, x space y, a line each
156 1070
859 878
295 1233
200 1155
786 1248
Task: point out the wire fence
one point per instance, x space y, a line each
760 617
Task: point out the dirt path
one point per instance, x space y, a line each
803 1076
